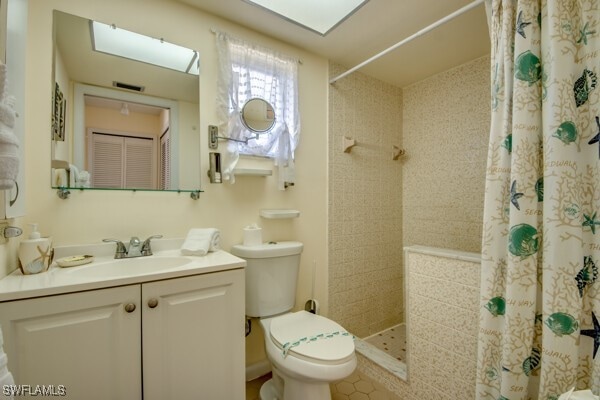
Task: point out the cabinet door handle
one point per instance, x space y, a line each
152 303
130 307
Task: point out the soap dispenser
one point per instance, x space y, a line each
35 253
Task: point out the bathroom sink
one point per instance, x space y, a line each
129 267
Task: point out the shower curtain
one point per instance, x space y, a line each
540 301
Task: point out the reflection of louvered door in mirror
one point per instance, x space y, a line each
122 162
165 161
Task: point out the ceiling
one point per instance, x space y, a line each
376 26
84 65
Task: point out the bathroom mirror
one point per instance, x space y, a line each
258 115
120 122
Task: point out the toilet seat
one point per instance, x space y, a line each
311 337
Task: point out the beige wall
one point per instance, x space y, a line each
365 204
113 120
89 216
443 324
445 132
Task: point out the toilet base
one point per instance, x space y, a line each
269 392
294 390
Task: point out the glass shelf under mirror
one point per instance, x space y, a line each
64 192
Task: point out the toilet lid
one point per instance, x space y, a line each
312 336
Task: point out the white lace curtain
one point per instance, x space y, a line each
249 71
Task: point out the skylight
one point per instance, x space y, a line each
317 15
120 42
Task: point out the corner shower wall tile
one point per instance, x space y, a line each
365 205
443 309
445 133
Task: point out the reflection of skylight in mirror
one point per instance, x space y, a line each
320 16
120 42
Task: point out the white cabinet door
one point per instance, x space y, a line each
193 337
86 341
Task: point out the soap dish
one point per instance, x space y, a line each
73 261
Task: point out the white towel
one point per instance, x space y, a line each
6 377
7 114
9 158
200 241
73 175
9 145
60 178
578 395
83 180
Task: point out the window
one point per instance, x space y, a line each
250 71
123 43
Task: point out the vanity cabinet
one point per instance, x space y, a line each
180 338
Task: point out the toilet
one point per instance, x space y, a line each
306 351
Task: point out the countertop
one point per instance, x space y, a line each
59 280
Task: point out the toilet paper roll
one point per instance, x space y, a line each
252 235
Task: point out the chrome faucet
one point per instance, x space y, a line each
136 248
146 250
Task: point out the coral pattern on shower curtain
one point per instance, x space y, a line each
540 300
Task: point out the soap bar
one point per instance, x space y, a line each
73 261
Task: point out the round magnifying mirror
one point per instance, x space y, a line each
258 115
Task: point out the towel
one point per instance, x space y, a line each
200 241
83 180
6 377
73 175
60 178
578 395
9 145
9 158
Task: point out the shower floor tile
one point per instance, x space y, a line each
392 341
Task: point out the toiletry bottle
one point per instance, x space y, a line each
35 253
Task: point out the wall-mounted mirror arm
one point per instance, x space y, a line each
213 137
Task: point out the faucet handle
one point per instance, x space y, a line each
146 248
121 250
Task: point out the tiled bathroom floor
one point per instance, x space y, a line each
355 387
253 387
392 341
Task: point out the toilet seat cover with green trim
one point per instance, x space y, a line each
311 336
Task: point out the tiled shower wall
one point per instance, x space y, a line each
365 204
446 121
443 324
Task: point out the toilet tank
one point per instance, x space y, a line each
271 276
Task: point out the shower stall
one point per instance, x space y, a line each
432 196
